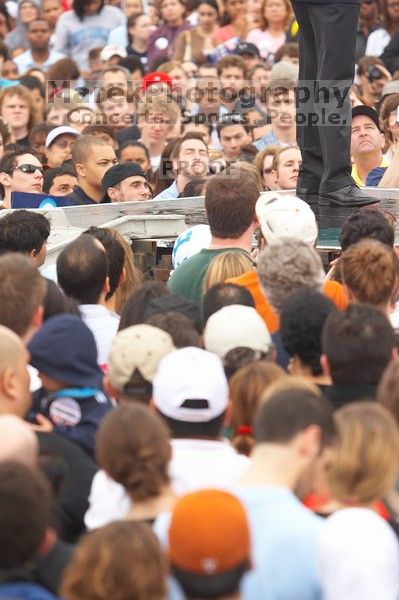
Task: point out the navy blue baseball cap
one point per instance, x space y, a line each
64 348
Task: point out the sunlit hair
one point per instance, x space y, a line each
370 270
226 265
366 458
121 560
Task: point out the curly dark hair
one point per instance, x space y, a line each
302 319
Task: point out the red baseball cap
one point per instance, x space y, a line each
155 77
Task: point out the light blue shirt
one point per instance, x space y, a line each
25 61
118 37
267 140
284 535
170 193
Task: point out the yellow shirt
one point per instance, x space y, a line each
356 176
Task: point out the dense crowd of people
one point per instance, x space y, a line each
232 433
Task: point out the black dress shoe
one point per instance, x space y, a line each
350 195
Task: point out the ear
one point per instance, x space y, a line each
325 365
7 384
80 170
382 138
5 179
349 294
122 278
275 176
394 353
37 319
48 542
106 286
309 441
113 193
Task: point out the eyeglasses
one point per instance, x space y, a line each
63 143
29 169
267 171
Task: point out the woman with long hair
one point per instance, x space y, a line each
275 19
133 448
235 17
380 38
139 28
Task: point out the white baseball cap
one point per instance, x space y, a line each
110 51
285 216
190 374
57 131
190 242
236 326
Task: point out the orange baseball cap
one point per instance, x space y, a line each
209 533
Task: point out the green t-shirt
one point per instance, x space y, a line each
188 279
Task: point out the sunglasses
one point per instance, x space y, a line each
267 171
29 169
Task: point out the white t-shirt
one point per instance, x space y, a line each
358 555
377 42
104 326
195 464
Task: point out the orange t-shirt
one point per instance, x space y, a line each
332 289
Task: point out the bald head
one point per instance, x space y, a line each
11 348
17 441
15 397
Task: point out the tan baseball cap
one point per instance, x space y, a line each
138 347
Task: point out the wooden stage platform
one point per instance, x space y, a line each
329 218
162 221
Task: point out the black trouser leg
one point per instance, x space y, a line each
327 43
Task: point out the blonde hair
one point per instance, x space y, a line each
121 560
366 460
168 66
260 159
246 388
226 265
388 389
370 269
161 105
133 276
